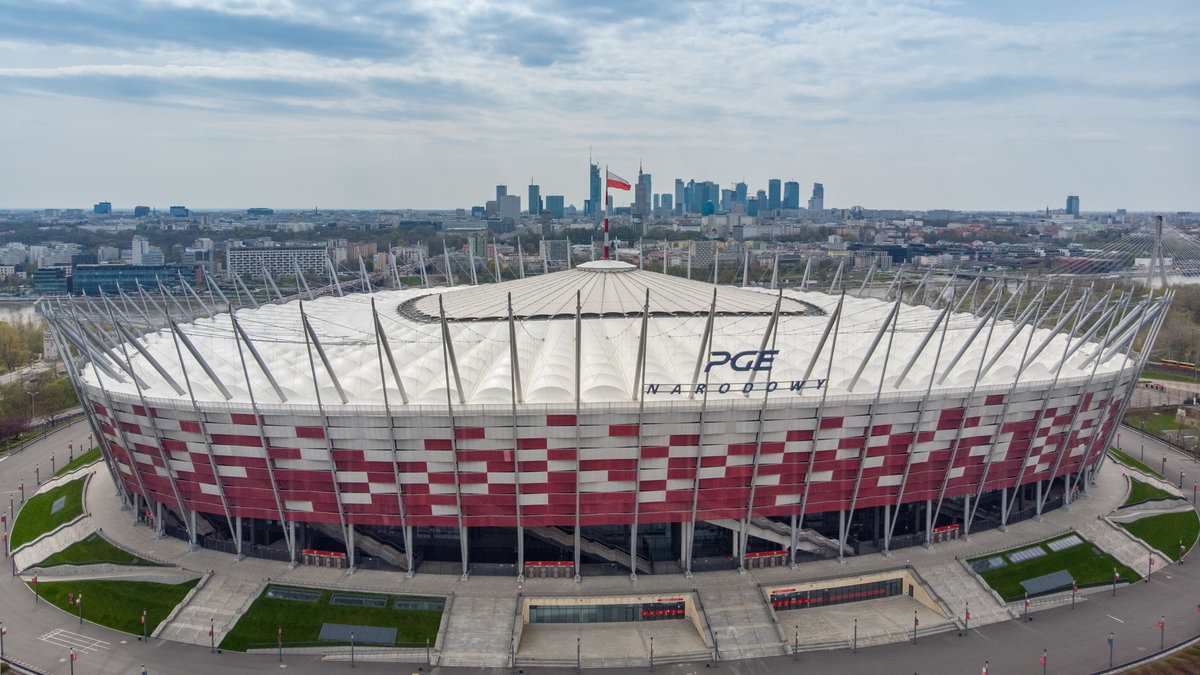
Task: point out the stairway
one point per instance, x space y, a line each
769 530
218 603
741 622
555 535
479 632
365 542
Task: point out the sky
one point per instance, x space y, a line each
428 104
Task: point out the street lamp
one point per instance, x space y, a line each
916 623
32 399
1110 650
352 665
1162 635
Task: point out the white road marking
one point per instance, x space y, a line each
81 643
1113 618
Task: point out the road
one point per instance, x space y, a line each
41 636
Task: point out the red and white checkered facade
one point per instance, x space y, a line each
605 459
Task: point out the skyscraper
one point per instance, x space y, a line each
535 199
773 186
1073 205
791 195
593 205
102 208
554 204
501 190
739 190
641 195
680 200
817 201
510 207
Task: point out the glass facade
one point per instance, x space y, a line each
645 611
837 595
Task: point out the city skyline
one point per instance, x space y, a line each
908 105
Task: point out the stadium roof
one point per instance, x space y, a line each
542 335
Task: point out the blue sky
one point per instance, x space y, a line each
428 104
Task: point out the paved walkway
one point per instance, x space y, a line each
482 627
479 630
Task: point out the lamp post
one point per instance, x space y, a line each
1043 660
212 638
79 601
1162 634
32 399
1116 576
796 640
1110 650
651 653
853 645
279 641
1163 471
3 630
1026 605
967 625
578 655
1150 568
916 623
352 664
143 625
1181 475
73 657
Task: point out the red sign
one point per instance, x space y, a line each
543 563
765 553
670 600
947 528
333 554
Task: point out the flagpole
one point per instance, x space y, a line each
606 212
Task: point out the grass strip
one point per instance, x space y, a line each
1131 462
35 519
301 621
1083 562
1167 532
118 604
1140 492
94 550
86 458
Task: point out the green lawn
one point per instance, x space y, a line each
1082 562
1140 492
1152 374
94 549
118 604
1165 532
34 519
301 621
1131 462
1156 422
80 460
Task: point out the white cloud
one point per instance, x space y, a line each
810 90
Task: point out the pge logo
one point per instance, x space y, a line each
743 361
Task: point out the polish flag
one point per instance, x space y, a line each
615 181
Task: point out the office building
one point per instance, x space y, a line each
278 261
535 199
1073 205
817 201
593 205
179 212
141 211
554 204
791 195
94 279
102 208
509 207
773 194
501 191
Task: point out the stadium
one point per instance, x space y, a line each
604 419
